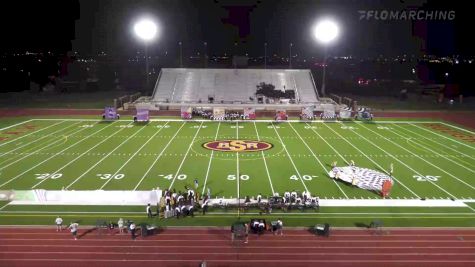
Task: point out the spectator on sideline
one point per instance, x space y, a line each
132 228
111 227
259 198
74 229
120 224
149 211
279 227
59 224
209 192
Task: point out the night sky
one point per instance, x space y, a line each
106 25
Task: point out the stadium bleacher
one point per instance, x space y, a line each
230 85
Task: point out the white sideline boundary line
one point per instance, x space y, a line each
209 163
82 154
39 130
265 161
184 158
159 156
377 164
438 134
288 155
435 166
418 142
318 160
438 143
21 174
41 148
203 120
105 157
133 155
456 127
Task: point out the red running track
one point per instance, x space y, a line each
189 247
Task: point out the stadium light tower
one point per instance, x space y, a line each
325 32
146 30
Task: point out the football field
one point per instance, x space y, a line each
80 154
433 167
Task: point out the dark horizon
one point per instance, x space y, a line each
93 26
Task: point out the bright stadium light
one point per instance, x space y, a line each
326 31
145 29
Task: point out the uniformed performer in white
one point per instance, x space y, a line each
59 224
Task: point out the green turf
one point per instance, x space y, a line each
169 154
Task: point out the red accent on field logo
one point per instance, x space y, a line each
237 145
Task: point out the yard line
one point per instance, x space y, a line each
186 154
106 156
11 126
435 166
28 155
159 156
19 175
291 160
26 134
82 154
36 140
318 160
407 166
210 159
130 158
238 179
265 161
362 153
439 143
447 158
324 140
2 207
433 132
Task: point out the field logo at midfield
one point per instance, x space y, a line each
237 145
